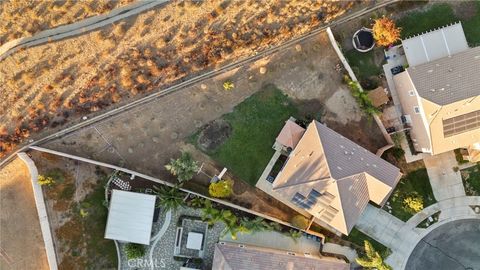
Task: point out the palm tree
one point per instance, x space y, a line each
183 167
372 259
295 234
256 224
168 198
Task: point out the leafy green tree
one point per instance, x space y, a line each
169 197
184 168
221 189
134 251
45 180
413 203
372 259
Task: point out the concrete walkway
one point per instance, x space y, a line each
446 183
349 253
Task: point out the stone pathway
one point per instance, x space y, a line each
446 183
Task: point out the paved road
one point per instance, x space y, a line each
455 245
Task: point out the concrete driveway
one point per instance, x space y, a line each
446 183
455 245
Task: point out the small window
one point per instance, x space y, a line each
416 109
411 93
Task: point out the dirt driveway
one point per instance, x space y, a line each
21 242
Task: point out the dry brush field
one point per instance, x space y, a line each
24 18
48 85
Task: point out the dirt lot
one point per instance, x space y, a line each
26 18
52 84
76 213
144 139
21 242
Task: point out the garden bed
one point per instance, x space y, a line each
471 180
357 238
414 184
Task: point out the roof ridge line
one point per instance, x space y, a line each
310 181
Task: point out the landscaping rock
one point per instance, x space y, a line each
155 139
214 134
263 70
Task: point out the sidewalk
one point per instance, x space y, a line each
445 182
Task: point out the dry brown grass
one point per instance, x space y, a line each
25 18
147 52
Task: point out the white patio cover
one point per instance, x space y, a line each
130 217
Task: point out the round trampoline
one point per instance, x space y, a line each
363 40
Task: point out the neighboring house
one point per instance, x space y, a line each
230 256
332 178
440 90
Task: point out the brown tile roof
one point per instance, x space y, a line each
290 134
449 79
229 256
346 175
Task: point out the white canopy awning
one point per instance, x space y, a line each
130 217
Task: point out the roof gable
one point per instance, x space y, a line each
449 79
229 256
346 158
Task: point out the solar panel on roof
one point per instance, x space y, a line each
461 123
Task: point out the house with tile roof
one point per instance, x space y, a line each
440 91
333 179
234 256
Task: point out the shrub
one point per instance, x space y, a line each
45 180
170 198
398 152
221 189
361 97
228 85
134 251
300 222
385 31
413 203
184 167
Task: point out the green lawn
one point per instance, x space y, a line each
439 15
357 237
416 181
471 180
363 64
255 123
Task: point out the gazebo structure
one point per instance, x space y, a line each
130 217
